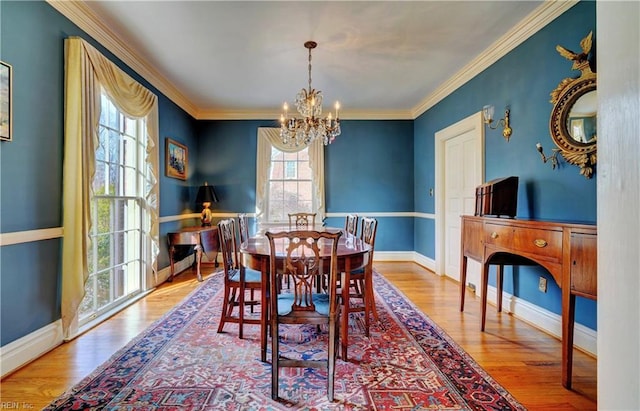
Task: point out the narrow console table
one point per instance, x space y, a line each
568 251
202 239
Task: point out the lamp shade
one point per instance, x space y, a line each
206 194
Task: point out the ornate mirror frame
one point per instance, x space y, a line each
563 98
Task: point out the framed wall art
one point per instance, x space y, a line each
177 159
6 95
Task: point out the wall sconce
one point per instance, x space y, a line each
206 196
553 157
487 115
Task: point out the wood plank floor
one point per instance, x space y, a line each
521 358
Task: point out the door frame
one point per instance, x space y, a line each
472 123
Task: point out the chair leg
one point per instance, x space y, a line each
368 289
241 311
275 366
331 366
225 307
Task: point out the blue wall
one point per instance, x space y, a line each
368 169
373 167
522 80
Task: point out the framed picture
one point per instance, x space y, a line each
6 94
177 159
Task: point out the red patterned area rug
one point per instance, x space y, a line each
182 363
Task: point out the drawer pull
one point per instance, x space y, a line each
540 243
494 235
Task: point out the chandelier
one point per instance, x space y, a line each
297 132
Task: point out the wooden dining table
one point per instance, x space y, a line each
353 254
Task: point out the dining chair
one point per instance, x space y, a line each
237 280
243 225
358 296
351 224
302 221
302 304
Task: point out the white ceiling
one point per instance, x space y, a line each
378 58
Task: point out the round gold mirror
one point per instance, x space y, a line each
573 121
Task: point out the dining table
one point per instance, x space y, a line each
353 254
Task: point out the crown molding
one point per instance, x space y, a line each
535 21
275 115
86 19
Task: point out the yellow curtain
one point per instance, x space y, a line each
87 71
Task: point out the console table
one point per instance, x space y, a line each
568 251
202 239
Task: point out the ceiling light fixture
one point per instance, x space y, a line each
297 132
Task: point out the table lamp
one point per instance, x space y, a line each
206 196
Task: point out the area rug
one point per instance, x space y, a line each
181 363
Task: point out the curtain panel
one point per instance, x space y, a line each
270 137
87 73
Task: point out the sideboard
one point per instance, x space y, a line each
567 250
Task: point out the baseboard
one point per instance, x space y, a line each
179 266
584 338
26 349
424 261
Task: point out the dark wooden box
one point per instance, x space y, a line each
497 197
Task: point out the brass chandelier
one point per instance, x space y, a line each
297 132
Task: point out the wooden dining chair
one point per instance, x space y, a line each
243 225
302 221
237 280
358 296
302 304
351 224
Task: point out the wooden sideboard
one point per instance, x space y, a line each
202 239
567 250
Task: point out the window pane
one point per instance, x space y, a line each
290 185
304 171
290 169
290 156
277 170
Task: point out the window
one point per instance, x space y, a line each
290 184
288 179
115 255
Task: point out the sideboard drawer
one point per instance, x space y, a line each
498 235
545 243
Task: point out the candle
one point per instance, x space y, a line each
539 146
337 108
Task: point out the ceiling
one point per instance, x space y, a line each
241 59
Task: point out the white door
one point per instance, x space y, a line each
459 182
459 170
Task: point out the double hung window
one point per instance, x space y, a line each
115 254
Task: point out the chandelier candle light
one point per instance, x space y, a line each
297 132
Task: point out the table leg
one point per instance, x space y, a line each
463 280
172 250
499 283
344 326
483 292
198 260
568 319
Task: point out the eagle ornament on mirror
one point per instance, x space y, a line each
573 121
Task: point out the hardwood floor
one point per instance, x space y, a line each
521 358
